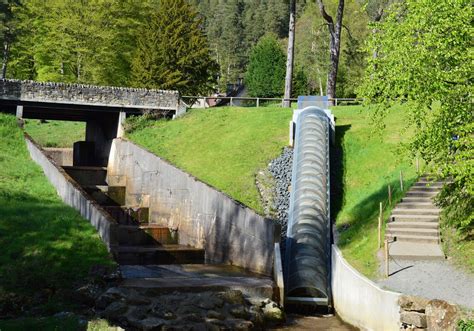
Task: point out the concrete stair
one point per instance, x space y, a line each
164 254
413 228
139 242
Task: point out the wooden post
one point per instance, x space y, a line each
389 195
380 227
387 271
401 180
417 165
258 102
231 101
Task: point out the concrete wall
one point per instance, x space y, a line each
61 156
361 302
87 94
73 195
204 217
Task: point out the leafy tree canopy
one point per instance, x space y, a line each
173 52
266 70
425 60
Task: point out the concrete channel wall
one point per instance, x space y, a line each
204 217
359 301
73 195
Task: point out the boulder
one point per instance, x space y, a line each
233 297
412 303
115 310
413 318
111 295
273 314
441 316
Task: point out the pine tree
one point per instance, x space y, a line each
173 52
266 70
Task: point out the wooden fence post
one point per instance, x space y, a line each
258 102
380 226
389 195
387 271
401 180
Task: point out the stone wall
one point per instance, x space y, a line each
73 195
88 95
204 217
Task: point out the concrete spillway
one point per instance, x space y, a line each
308 244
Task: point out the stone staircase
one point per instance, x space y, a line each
413 228
139 241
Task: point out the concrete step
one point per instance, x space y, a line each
409 211
413 218
416 205
435 185
140 235
412 225
413 238
128 216
424 189
399 250
417 199
412 232
86 176
196 278
164 254
103 194
420 193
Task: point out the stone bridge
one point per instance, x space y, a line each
103 108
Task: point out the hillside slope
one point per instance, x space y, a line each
47 247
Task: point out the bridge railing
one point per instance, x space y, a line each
257 100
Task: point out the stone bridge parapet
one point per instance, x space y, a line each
117 97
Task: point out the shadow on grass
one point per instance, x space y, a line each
337 172
47 252
364 215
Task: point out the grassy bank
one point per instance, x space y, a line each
56 133
47 247
222 146
365 162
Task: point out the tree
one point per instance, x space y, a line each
7 31
173 52
290 54
334 44
425 61
266 70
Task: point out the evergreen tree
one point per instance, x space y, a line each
173 53
266 70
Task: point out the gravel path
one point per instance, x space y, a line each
432 280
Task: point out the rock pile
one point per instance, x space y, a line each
423 314
141 309
280 169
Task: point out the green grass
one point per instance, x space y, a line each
221 146
47 248
56 133
366 161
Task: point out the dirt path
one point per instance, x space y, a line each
315 323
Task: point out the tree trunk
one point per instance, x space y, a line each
6 49
289 58
334 46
